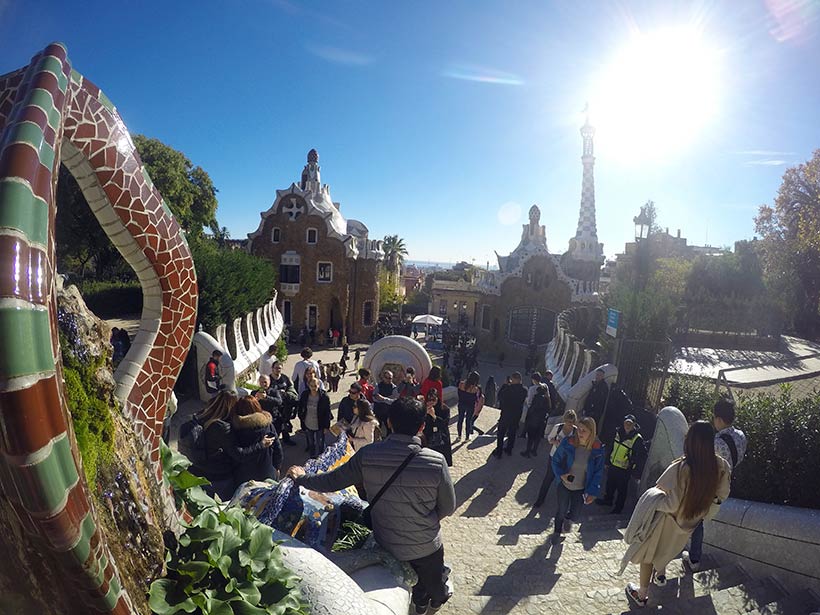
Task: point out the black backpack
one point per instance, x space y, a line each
192 442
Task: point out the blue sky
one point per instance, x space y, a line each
429 117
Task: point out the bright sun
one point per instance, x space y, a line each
656 96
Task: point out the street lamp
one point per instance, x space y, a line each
642 225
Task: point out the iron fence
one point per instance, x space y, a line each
643 367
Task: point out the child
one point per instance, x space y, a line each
558 433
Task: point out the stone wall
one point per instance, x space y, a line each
253 335
568 355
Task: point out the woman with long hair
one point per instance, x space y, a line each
362 428
250 425
222 453
578 465
437 426
468 394
433 381
689 487
315 414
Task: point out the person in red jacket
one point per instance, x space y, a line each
364 381
433 381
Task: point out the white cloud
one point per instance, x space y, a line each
337 55
481 74
768 162
764 152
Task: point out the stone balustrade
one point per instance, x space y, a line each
567 355
253 334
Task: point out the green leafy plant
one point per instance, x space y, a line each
352 535
225 563
693 396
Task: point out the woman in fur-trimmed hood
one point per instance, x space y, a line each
249 426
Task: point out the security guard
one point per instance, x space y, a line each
628 451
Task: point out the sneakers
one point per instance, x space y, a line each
659 578
634 596
690 565
458 439
567 526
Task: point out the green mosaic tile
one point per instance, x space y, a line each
27 132
50 64
76 77
106 102
28 332
21 210
43 486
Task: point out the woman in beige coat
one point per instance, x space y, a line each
690 487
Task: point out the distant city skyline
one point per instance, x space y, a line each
444 123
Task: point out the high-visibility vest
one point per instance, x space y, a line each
622 451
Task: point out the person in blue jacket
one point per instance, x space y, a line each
578 465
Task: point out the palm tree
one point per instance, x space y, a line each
394 253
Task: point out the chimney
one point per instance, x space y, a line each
678 233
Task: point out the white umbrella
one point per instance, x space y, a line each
427 319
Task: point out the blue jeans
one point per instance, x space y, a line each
316 441
465 413
569 505
696 544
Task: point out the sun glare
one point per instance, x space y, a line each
656 96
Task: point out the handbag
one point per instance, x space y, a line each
367 519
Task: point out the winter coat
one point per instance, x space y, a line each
437 433
490 392
538 410
361 432
511 399
406 519
325 415
565 455
222 455
247 431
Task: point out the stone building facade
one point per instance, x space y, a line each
516 306
328 266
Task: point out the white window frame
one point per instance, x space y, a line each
307 314
307 236
318 267
273 234
487 307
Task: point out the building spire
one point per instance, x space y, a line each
311 178
584 246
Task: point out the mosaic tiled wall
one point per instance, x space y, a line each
49 113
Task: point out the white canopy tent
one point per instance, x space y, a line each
427 319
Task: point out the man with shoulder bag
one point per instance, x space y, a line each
414 492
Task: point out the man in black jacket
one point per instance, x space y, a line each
596 398
511 398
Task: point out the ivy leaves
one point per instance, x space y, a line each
225 563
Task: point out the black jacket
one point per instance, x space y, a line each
325 415
345 412
248 431
437 432
511 399
222 453
539 409
596 400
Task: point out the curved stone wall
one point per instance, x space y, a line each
394 352
249 345
568 356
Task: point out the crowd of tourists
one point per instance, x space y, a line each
401 426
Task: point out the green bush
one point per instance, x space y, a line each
111 298
281 348
780 465
225 562
693 396
231 283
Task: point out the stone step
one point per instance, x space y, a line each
802 602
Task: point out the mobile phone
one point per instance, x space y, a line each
571 478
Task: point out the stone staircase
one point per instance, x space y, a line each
582 577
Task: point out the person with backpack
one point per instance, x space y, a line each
730 444
250 425
628 453
213 379
536 421
213 450
405 514
556 435
282 385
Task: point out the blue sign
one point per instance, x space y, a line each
612 319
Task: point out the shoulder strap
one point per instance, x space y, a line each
732 447
395 475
